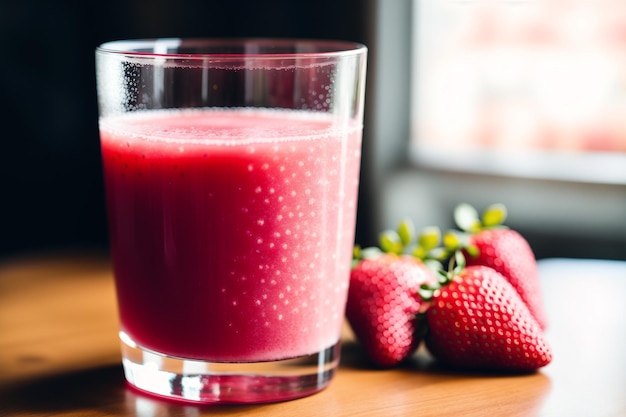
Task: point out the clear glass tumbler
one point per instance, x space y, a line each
231 172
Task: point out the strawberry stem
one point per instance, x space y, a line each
456 264
425 246
468 220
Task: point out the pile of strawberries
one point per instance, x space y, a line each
483 311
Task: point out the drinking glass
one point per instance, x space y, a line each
231 171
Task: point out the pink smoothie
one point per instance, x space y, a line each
231 231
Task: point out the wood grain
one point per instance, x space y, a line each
59 355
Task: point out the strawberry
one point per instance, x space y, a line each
383 300
477 320
382 307
491 244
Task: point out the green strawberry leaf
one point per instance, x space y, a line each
459 260
390 242
419 253
452 240
466 218
433 265
426 293
429 238
438 254
472 250
370 252
494 215
406 232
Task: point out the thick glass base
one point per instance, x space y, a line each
227 383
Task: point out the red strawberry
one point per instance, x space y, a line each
477 320
383 297
383 303
504 250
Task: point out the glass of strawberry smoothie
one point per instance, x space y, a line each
231 171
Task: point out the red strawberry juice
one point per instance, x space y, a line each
231 230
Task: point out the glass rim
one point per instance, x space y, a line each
274 48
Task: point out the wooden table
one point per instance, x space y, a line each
59 354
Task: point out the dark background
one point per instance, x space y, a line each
51 191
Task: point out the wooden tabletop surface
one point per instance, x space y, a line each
59 354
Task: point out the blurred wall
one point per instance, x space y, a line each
51 193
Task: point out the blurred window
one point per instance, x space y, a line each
529 88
